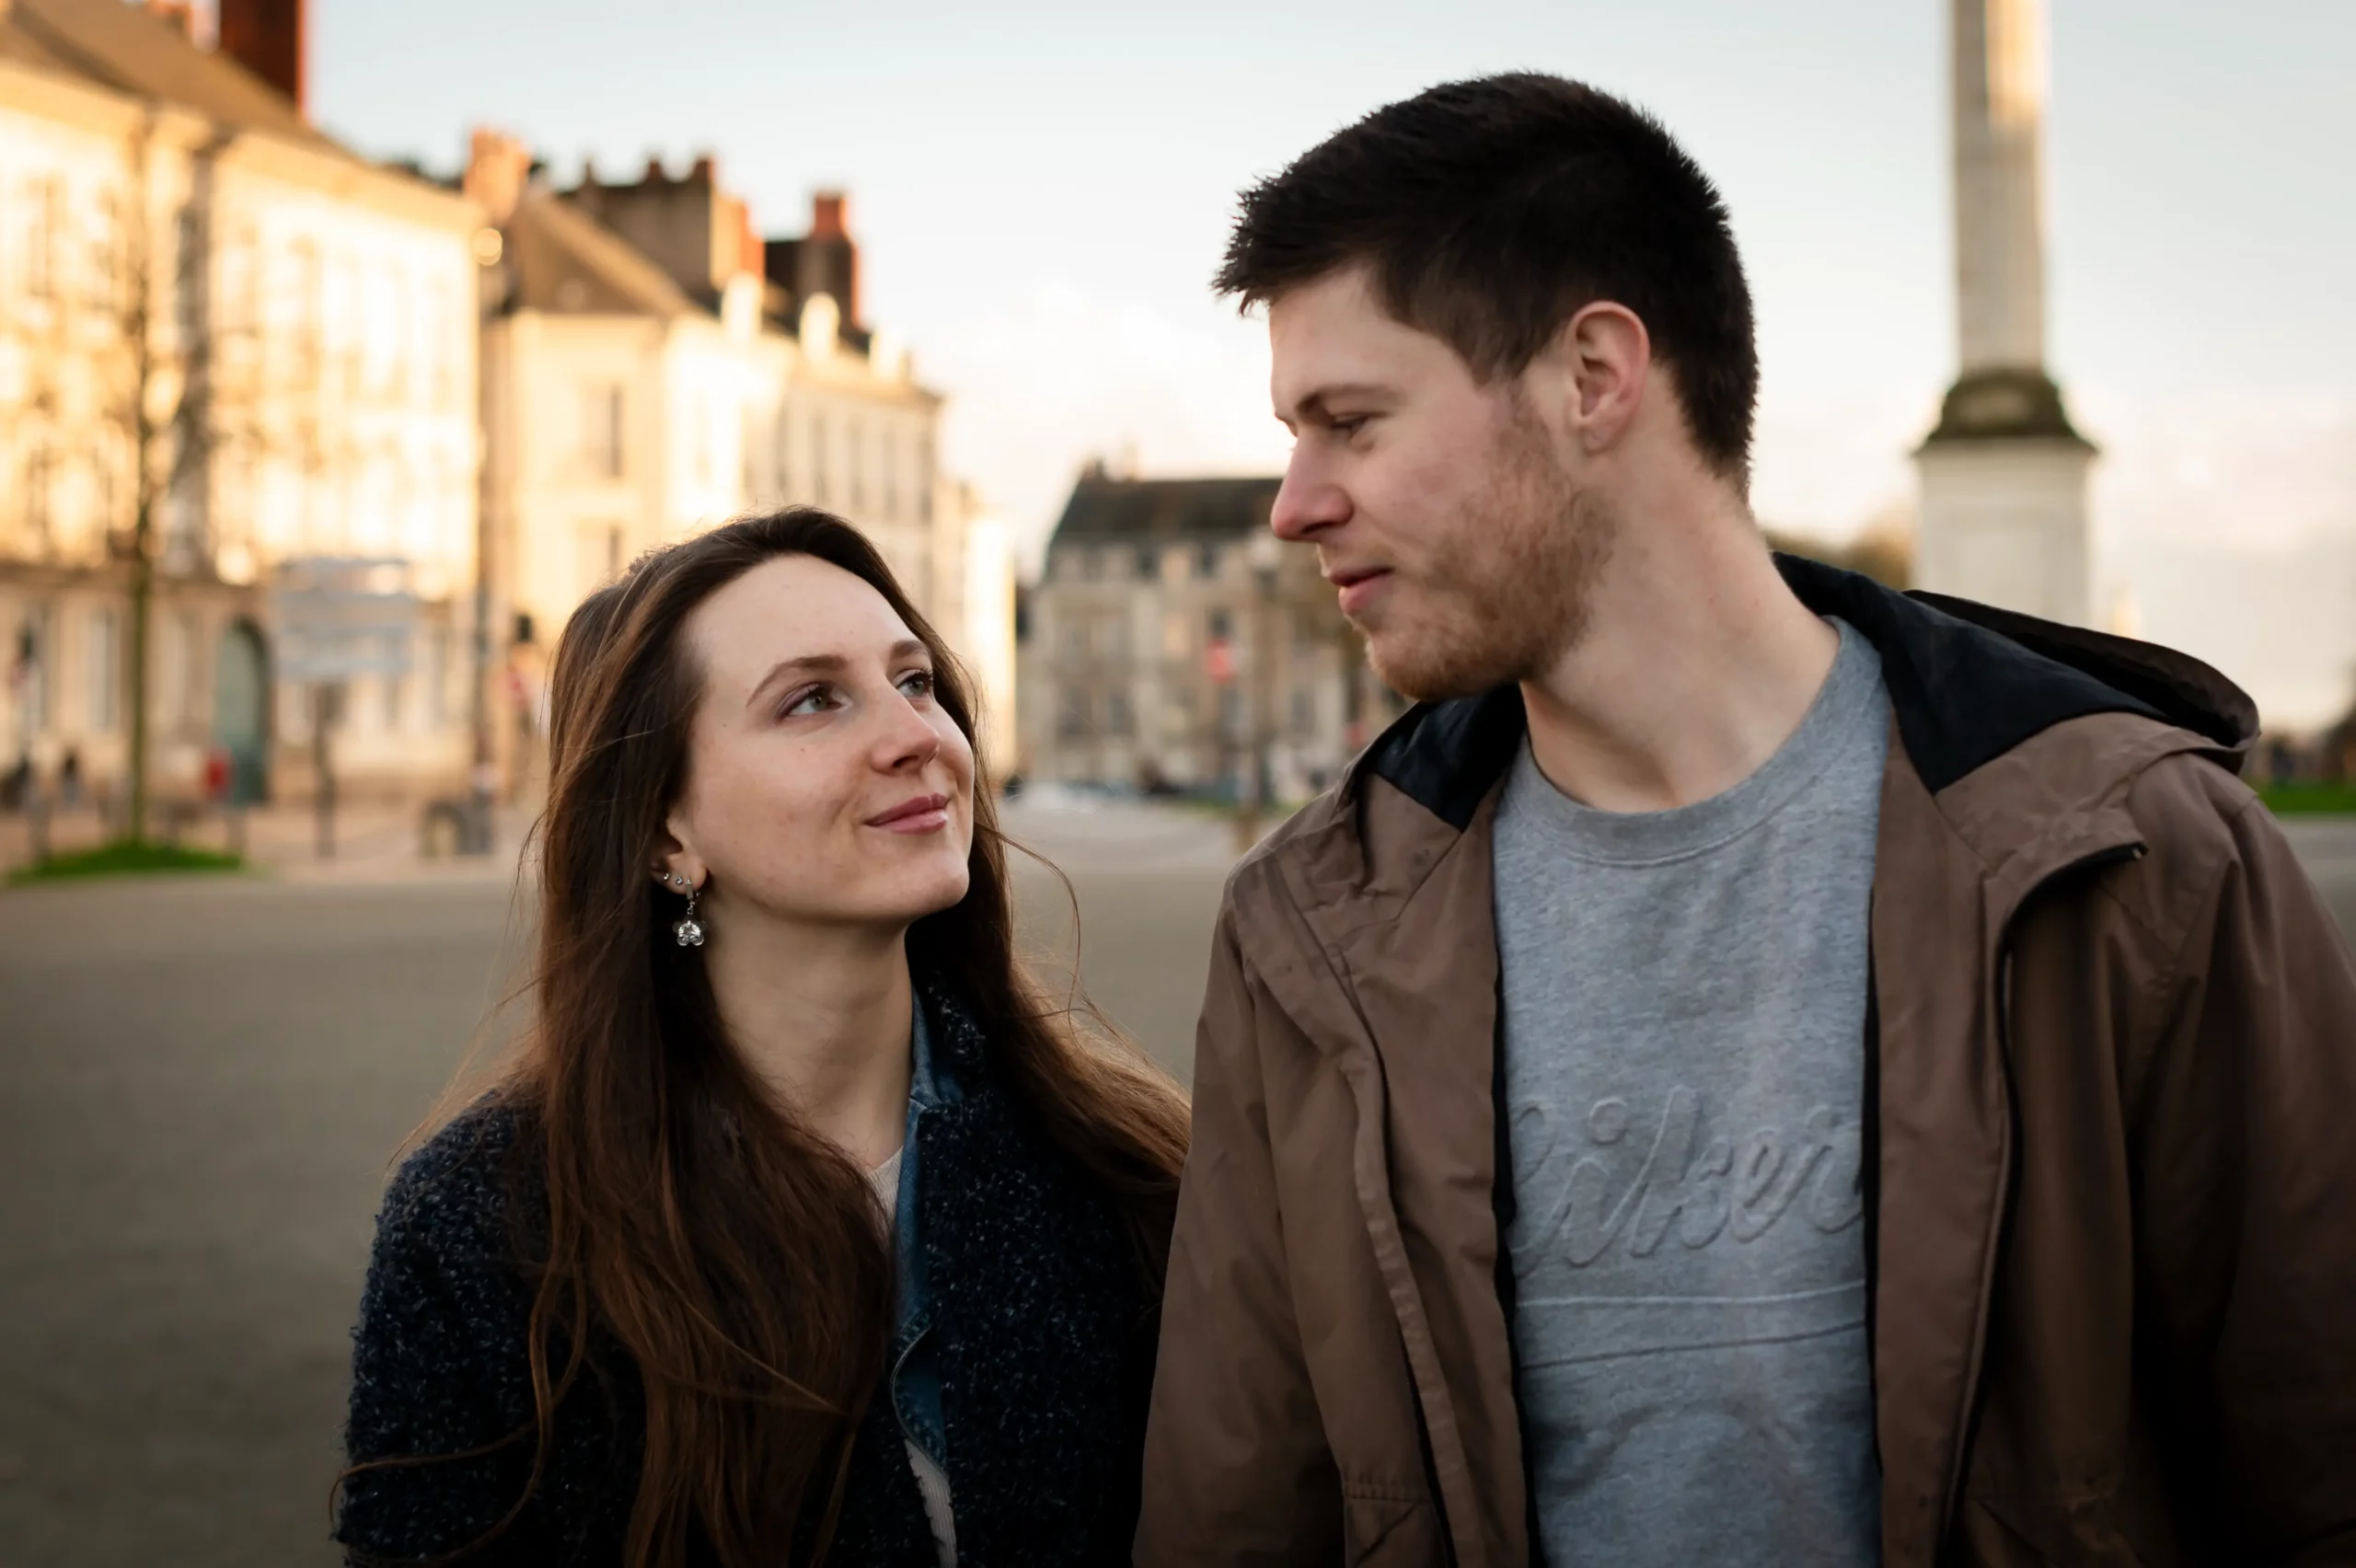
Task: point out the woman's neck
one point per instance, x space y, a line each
824 1020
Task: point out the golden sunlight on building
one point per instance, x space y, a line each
229 346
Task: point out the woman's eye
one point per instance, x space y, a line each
817 700
916 683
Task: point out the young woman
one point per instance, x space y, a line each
804 1229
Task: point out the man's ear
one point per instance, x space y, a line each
1598 368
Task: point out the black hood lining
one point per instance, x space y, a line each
1968 683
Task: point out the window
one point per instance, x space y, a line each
598 557
1207 561
105 668
1092 566
435 678
601 429
309 310
105 252
172 657
396 689
890 470
924 478
854 438
187 275
40 485
442 332
1117 713
1071 718
102 499
818 458
46 203
1304 712
1222 625
36 645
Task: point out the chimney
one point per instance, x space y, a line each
267 37
178 15
826 259
751 253
497 167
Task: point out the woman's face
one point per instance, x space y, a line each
824 784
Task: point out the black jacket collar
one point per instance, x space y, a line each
1968 683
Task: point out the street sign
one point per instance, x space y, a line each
338 618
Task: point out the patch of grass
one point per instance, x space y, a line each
124 858
2309 800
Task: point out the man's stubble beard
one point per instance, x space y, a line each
1512 590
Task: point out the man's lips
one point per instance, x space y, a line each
921 814
1354 586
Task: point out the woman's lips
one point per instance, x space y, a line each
925 813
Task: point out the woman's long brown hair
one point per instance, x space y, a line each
729 1250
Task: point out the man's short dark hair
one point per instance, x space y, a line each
1491 212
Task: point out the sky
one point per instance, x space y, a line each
1042 191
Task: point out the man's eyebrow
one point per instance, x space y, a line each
1318 404
829 663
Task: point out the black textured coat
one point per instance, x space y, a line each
1044 1324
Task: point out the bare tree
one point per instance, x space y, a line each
165 404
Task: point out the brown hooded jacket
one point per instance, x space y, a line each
2110 1073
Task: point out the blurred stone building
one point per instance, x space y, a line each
1171 639
652 367
214 319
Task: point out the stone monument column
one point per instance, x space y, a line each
2004 510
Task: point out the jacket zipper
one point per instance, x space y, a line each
2117 854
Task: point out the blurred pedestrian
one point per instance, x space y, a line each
806 1225
1755 1067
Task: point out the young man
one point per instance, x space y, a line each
1756 1068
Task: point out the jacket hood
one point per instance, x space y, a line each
1968 683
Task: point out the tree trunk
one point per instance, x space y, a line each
143 599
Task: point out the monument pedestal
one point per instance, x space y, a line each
2003 509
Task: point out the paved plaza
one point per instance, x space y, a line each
204 1083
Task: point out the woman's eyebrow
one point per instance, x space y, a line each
826 663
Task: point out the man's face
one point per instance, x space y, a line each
1461 544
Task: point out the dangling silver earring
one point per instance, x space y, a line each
689 930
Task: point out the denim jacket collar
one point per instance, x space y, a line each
915 1377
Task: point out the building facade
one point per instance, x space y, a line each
226 335
647 376
1167 647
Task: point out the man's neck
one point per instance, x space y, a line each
823 1018
1697 664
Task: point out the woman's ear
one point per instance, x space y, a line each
677 865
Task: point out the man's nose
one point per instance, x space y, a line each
1306 502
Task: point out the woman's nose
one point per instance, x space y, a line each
909 739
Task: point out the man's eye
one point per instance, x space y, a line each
1352 425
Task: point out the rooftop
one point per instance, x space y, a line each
127 49
1105 510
